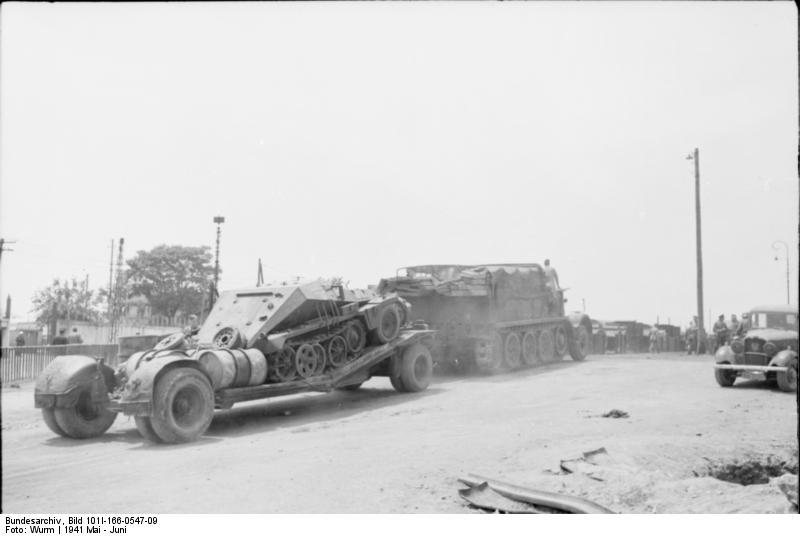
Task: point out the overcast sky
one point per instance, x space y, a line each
352 139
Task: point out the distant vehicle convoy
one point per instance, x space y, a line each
767 351
256 343
492 316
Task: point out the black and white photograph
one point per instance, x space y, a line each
453 258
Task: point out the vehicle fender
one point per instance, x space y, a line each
783 358
57 385
371 308
725 354
139 387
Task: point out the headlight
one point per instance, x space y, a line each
737 346
770 349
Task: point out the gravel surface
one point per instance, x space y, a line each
378 451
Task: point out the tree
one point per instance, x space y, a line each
67 299
172 278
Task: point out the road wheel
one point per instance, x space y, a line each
282 368
560 341
547 351
337 351
787 381
145 427
306 361
580 346
356 337
725 377
512 351
85 419
529 356
416 368
183 405
49 416
388 323
171 342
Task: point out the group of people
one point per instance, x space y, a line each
724 332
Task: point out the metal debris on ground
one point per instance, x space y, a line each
484 497
616 414
539 499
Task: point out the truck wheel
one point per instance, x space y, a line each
529 356
388 324
183 405
547 350
145 427
579 346
512 351
787 381
725 378
49 416
85 419
416 368
560 341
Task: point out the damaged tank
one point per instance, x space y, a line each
255 343
491 317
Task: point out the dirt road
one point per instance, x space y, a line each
378 451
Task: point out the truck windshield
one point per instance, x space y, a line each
774 320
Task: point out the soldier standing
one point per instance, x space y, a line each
551 282
721 331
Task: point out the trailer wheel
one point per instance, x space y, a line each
560 341
724 377
397 383
416 368
787 381
512 351
85 419
547 350
529 356
49 416
388 324
579 346
183 405
145 427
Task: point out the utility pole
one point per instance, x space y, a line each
700 324
786 251
117 303
219 220
3 246
111 279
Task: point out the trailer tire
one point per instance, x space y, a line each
183 405
724 377
787 381
416 368
85 419
49 416
580 344
397 383
387 325
145 427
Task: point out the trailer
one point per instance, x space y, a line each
256 344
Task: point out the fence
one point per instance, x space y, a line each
19 363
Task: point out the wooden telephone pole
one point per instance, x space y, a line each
700 324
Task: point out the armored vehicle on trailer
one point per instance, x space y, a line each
491 316
256 343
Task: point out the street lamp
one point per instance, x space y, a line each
219 220
786 254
